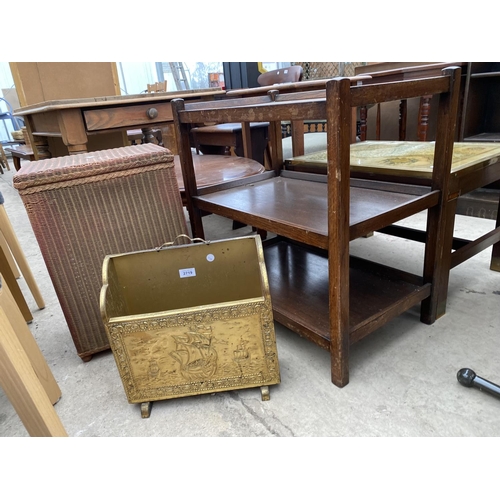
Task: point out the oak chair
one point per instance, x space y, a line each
157 87
281 75
318 290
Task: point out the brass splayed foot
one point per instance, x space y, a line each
146 409
264 390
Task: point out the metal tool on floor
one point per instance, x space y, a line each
468 378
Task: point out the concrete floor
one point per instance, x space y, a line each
402 377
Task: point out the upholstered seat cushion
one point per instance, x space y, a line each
313 142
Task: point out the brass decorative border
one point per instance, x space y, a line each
138 393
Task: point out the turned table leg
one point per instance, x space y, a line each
40 148
152 135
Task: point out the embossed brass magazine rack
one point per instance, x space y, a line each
190 319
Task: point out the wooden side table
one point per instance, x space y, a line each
20 152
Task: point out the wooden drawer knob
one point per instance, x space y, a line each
152 113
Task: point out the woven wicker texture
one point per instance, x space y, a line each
87 206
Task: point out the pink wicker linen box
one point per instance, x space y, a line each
86 206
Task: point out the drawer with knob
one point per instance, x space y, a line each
139 115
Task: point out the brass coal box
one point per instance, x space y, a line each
190 319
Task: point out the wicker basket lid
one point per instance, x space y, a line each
95 164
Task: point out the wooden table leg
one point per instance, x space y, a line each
152 135
438 266
40 147
17 162
495 252
73 130
297 137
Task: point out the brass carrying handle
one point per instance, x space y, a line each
170 243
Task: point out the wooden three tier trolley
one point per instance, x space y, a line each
317 289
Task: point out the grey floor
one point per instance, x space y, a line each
402 377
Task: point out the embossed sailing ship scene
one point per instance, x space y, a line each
190 319
216 356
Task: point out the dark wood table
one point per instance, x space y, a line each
75 120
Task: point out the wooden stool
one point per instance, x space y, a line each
218 139
24 374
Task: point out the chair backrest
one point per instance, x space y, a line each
420 109
157 87
282 75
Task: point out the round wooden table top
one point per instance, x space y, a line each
214 169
